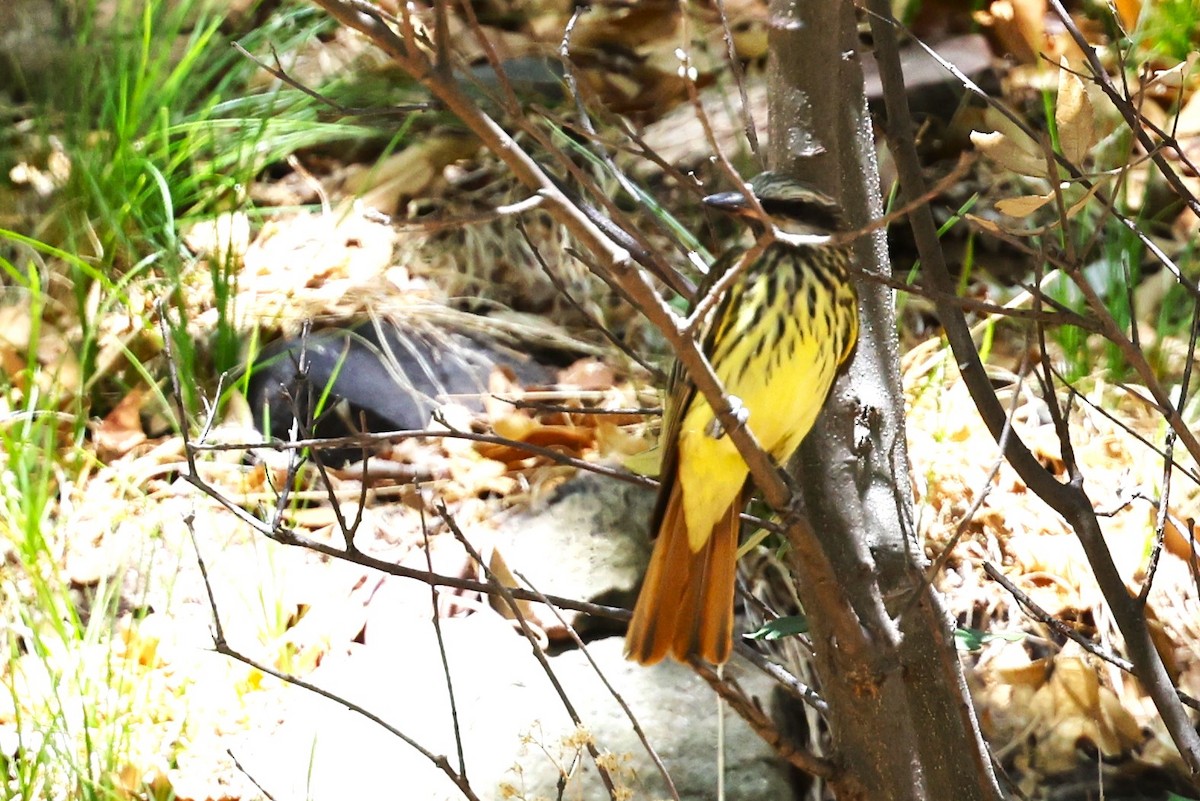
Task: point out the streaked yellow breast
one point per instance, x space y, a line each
780 363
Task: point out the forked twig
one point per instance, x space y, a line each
633 721
1069 500
511 602
762 725
222 646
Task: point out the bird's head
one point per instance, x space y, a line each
793 206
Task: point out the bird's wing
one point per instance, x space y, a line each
681 390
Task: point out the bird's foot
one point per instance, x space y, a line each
738 409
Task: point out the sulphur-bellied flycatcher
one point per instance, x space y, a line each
775 340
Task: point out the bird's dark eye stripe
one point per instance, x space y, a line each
818 215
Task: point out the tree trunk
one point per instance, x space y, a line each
900 717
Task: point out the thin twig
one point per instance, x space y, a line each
1160 520
302 427
699 313
436 617
1076 175
1136 123
439 761
595 324
278 72
221 646
1071 634
1125 427
583 123
633 721
369 439
294 538
266 793
538 652
961 527
763 727
613 261
1069 500
550 408
739 79
790 684
1160 524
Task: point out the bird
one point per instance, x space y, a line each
776 340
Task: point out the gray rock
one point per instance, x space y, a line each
589 542
514 728
517 739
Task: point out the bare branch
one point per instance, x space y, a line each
762 725
1068 500
221 646
539 653
633 721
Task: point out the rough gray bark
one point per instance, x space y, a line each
900 715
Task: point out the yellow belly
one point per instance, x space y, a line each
783 388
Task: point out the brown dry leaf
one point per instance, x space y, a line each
127 781
657 37
1074 116
121 430
1022 206
616 442
1172 80
1128 11
1020 156
503 389
305 265
588 374
1045 560
1029 674
478 473
1080 204
983 223
516 426
1178 542
568 439
500 570
322 59
1029 18
648 28
1019 25
1073 705
409 173
993 227
59 373
543 619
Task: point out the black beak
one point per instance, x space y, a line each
729 202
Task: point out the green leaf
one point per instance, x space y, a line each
781 627
974 639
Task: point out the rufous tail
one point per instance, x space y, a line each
686 605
